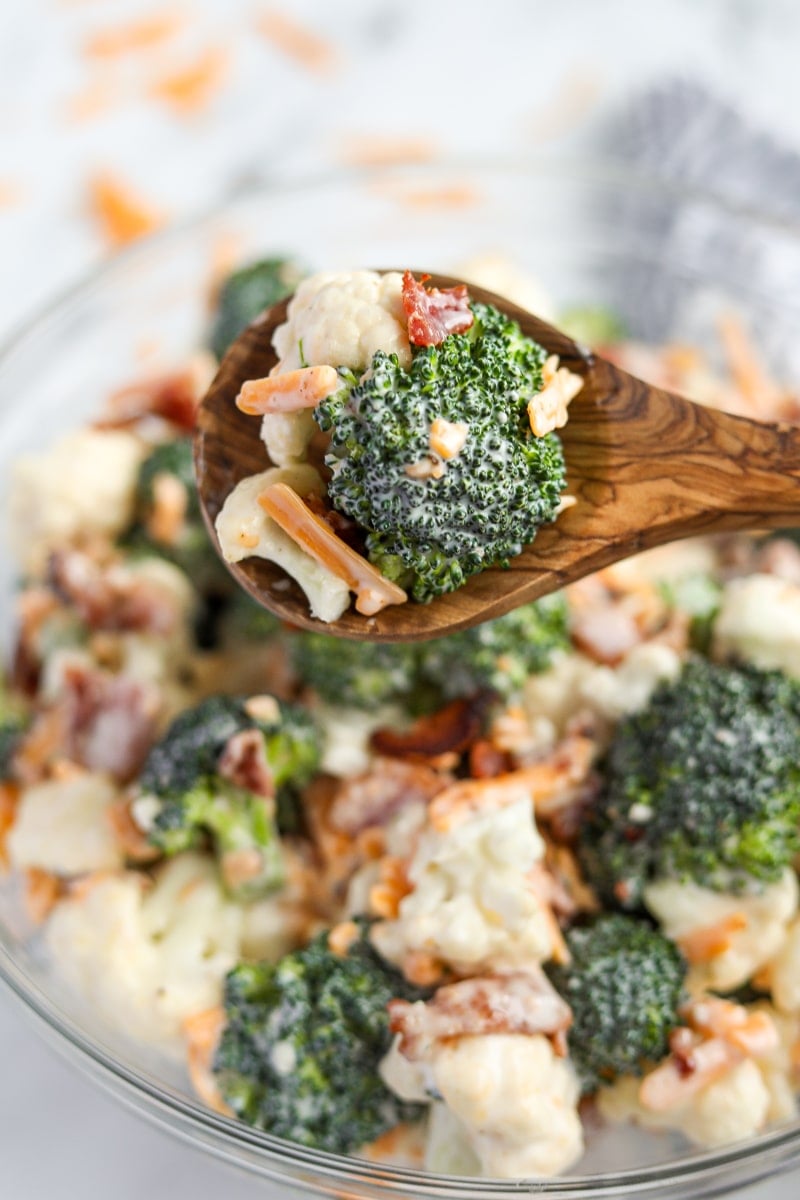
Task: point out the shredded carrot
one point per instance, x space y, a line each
42 892
122 214
9 796
710 941
192 87
289 391
382 151
313 535
298 42
140 34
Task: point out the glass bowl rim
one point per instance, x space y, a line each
762 1154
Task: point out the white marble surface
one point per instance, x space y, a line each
468 77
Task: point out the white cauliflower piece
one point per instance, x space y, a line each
784 971
683 908
448 1150
759 621
245 530
147 958
339 320
346 734
777 1066
732 1107
471 903
82 486
62 825
514 1098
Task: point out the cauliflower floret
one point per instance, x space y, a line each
759 621
62 825
346 734
82 486
784 971
683 908
448 1149
733 1106
147 958
575 682
245 530
777 1066
334 319
471 903
513 1097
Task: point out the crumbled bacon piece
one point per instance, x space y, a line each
173 397
389 785
451 730
111 598
243 762
434 313
520 1002
486 760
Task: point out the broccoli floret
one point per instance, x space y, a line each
431 534
500 655
700 597
624 984
593 325
299 1054
194 802
702 785
246 293
354 674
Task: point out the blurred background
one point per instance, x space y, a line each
121 117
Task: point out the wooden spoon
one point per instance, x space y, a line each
645 466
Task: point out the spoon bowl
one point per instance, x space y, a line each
644 467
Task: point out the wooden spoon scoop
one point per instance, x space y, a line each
645 467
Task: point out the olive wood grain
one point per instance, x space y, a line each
645 466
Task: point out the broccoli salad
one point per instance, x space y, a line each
440 456
459 904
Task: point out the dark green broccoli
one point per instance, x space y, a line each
246 293
194 801
354 674
299 1054
702 785
430 534
499 655
593 325
624 984
12 728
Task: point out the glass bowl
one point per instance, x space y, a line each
667 261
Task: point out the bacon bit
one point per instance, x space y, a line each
545 783
240 867
486 761
710 941
123 215
9 798
173 397
451 730
518 1002
141 34
342 937
202 1032
243 762
43 890
313 535
675 1081
109 599
434 313
448 437
192 88
298 42
369 800
127 834
289 391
